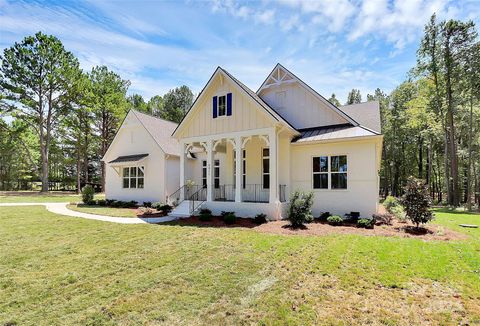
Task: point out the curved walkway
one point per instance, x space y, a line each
61 209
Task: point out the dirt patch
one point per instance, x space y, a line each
429 232
406 230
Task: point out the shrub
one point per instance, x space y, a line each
87 194
399 213
110 202
165 208
383 219
229 218
300 210
147 204
205 214
101 202
335 220
324 216
390 202
260 218
366 223
157 205
416 202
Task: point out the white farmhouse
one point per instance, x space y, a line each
245 151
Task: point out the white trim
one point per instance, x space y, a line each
329 172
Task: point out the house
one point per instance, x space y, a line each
246 151
142 162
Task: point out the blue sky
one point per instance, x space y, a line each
333 46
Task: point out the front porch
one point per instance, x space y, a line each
211 167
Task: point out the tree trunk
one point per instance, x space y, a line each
469 166
420 157
79 185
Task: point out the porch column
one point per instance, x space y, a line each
210 170
272 138
238 169
182 168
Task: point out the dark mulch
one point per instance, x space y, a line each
216 222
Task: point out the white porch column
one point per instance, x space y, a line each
238 169
210 168
272 138
182 168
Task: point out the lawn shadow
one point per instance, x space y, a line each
214 222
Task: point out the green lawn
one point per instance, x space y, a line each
36 197
70 271
108 211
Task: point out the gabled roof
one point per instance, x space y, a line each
333 132
161 131
245 89
292 76
367 114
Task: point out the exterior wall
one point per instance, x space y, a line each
301 108
273 211
361 194
246 113
132 138
172 175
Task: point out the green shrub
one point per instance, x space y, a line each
300 210
260 219
157 205
324 216
87 194
147 204
229 218
416 202
165 208
101 202
366 223
390 202
335 220
399 213
205 214
110 202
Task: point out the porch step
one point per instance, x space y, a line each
182 210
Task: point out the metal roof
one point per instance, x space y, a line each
333 132
129 158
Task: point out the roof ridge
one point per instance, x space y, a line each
153 116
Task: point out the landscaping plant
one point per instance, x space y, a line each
260 219
416 202
205 214
229 217
300 210
87 194
366 223
390 202
335 220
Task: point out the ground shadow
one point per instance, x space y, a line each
214 222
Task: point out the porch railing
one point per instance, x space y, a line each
182 193
197 198
224 193
253 193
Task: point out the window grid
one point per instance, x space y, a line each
330 172
266 168
133 177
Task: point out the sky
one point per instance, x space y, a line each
332 45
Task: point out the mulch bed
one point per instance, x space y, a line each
405 230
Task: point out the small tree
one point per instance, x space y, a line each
87 194
300 210
416 201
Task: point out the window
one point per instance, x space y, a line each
266 168
320 172
244 168
133 177
222 105
329 172
338 169
204 174
216 176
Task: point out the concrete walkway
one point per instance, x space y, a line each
61 209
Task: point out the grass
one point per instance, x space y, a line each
107 211
61 270
37 197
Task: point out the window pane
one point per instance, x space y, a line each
140 182
244 181
342 163
339 181
204 183
320 181
266 165
133 183
217 183
266 181
133 171
140 172
324 164
316 164
126 172
244 155
334 163
244 168
125 182
221 105
204 172
204 163
217 172
217 162
266 152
